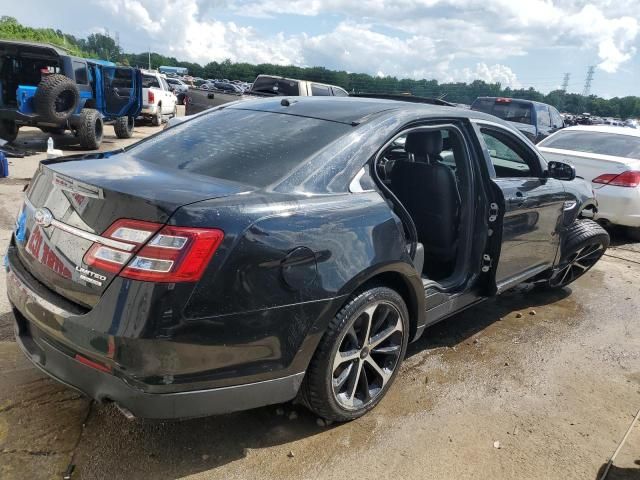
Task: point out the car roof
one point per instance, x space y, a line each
631 132
355 111
33 46
514 100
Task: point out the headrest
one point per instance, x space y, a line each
424 143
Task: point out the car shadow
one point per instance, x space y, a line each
175 449
152 449
464 325
620 237
36 141
620 473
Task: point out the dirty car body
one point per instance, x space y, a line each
198 271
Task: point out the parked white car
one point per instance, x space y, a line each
159 102
608 157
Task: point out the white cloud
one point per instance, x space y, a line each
491 74
406 38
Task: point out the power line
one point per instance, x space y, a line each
587 82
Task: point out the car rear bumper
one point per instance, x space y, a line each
18 117
619 205
149 110
106 387
159 377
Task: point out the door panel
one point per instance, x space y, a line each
122 90
533 206
533 210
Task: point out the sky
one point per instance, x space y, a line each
520 43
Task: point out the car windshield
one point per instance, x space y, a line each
245 146
603 143
276 86
509 111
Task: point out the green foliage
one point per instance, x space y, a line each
103 46
10 28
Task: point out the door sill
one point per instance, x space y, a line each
521 277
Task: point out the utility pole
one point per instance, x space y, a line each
149 58
565 82
588 80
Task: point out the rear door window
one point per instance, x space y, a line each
276 86
339 92
544 119
80 72
556 118
320 90
268 147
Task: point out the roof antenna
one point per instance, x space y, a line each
284 102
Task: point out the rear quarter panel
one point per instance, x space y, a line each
254 293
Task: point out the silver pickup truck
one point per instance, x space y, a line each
198 99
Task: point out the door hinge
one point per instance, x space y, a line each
486 263
493 212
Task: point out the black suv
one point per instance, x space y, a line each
535 120
282 247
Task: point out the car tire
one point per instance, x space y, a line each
352 370
56 98
156 120
584 244
123 127
90 129
8 130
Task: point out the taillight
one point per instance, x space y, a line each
173 254
629 178
130 232
503 100
151 96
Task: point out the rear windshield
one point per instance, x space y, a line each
276 86
245 146
509 111
150 81
602 143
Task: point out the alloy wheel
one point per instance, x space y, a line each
578 264
368 355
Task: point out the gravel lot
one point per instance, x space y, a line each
531 385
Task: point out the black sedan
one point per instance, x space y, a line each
284 247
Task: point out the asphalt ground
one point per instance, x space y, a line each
529 385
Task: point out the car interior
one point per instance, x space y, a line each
22 70
426 171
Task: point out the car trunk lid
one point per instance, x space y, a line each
86 196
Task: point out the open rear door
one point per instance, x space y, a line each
122 91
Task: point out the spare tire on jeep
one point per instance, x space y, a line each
56 98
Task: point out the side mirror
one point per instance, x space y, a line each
561 171
210 95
